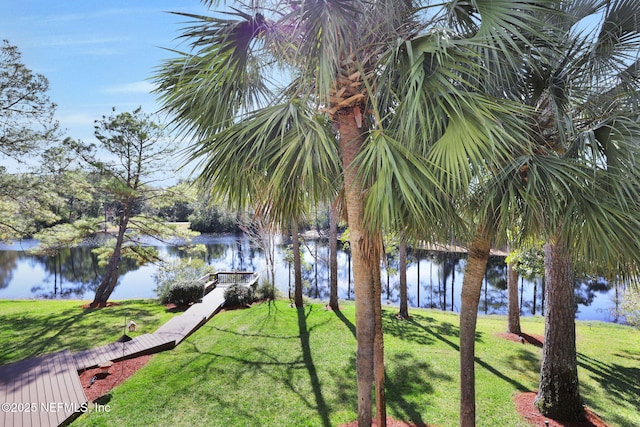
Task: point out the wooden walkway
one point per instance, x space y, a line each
45 391
166 337
41 391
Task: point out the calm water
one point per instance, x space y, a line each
434 279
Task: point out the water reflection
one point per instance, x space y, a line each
434 279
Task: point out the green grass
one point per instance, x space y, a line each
272 365
33 327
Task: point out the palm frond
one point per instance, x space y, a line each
279 157
206 88
402 192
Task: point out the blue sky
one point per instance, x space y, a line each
95 54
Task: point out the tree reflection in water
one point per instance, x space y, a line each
434 279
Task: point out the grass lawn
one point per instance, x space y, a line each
33 327
272 365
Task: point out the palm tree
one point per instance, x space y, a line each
378 99
585 112
578 186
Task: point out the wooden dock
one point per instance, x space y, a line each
45 391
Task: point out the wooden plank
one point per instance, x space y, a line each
58 390
26 412
45 417
49 394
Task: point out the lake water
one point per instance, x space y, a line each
434 278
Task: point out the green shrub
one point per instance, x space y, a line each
238 294
265 291
182 294
177 282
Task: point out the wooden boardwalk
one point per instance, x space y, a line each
45 391
164 338
40 392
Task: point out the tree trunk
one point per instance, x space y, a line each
366 262
378 356
333 258
513 323
558 393
404 307
297 266
112 272
470 300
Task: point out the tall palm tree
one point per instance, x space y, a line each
578 186
585 112
379 98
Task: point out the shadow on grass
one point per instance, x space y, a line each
422 329
426 330
346 321
72 329
526 361
281 364
247 365
622 383
409 377
406 378
311 368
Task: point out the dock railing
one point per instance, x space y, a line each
228 278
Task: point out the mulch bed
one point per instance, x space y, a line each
526 409
104 383
536 340
109 304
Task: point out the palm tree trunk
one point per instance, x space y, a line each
297 265
470 299
513 322
378 356
404 305
558 393
333 258
366 261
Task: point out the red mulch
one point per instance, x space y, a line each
523 338
118 373
526 409
390 423
109 304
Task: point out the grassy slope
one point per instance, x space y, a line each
32 327
276 366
